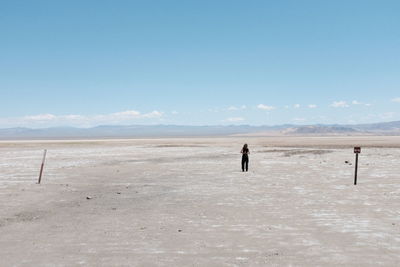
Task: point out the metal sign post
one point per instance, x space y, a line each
42 166
357 150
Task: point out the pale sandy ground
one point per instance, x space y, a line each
185 202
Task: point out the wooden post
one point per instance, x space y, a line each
42 166
355 172
357 150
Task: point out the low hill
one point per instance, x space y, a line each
139 131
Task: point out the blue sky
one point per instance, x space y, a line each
86 63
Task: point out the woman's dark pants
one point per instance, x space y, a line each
245 162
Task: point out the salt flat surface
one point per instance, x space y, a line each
185 202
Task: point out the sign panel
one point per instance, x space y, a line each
357 149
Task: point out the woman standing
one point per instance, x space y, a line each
245 157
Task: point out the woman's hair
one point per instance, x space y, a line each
245 146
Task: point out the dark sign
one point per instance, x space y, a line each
357 149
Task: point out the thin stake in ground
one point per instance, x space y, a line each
42 166
357 150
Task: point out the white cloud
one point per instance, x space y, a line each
339 104
74 117
174 112
49 120
355 102
397 100
286 106
296 105
126 114
312 106
41 117
153 114
231 108
265 107
235 119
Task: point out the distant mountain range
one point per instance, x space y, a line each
140 131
